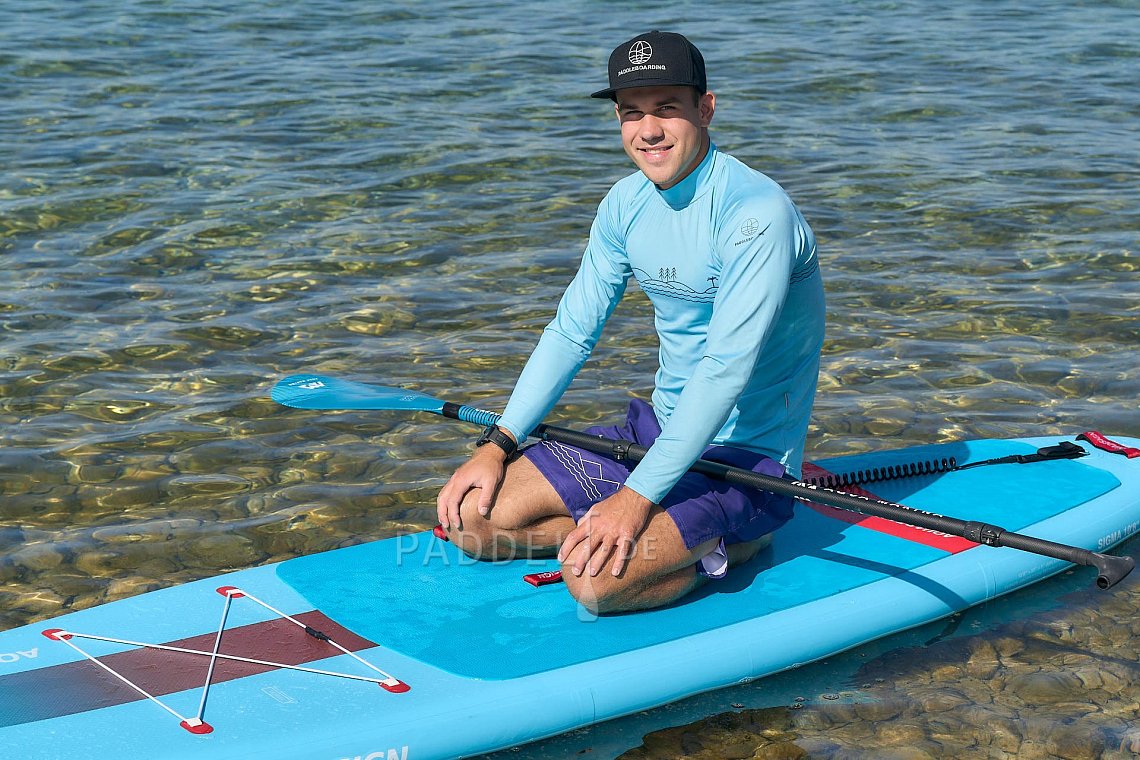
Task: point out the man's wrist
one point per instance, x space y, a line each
635 498
500 438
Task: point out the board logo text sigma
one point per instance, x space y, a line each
1118 535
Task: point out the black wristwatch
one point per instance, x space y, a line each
493 435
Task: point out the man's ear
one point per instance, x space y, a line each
706 106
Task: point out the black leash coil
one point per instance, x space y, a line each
893 472
1063 450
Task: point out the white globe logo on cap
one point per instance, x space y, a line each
640 52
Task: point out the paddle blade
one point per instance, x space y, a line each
330 393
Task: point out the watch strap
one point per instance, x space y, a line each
496 436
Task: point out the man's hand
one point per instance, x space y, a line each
484 470
611 526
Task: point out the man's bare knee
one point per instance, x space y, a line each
604 594
600 594
475 534
475 543
501 534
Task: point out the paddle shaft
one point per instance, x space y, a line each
1110 569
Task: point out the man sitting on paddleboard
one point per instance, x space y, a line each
730 266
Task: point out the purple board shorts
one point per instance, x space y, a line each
702 507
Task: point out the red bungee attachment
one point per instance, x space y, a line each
395 686
544 579
195 726
1107 444
56 634
232 592
440 533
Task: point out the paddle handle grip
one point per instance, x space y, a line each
480 417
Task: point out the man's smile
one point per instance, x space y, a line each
656 152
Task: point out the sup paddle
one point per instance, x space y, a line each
327 393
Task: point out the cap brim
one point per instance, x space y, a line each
609 92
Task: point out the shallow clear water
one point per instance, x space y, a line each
201 197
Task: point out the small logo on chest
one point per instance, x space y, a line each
750 229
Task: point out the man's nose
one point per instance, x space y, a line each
649 128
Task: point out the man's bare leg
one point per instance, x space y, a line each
527 518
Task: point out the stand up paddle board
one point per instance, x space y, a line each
404 649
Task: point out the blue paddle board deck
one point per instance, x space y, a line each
406 649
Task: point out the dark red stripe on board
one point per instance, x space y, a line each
81 686
924 536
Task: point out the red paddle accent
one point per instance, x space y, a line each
1107 444
440 533
198 727
397 688
56 634
544 579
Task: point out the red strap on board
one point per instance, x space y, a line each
399 687
543 579
1107 444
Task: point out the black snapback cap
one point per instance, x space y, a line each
653 60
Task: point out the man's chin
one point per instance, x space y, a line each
656 174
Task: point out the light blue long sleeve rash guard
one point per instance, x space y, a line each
730 266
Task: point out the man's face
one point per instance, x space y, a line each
663 129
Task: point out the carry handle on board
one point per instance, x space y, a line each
327 393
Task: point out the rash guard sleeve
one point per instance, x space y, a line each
570 337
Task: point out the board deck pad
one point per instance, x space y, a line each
486 623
